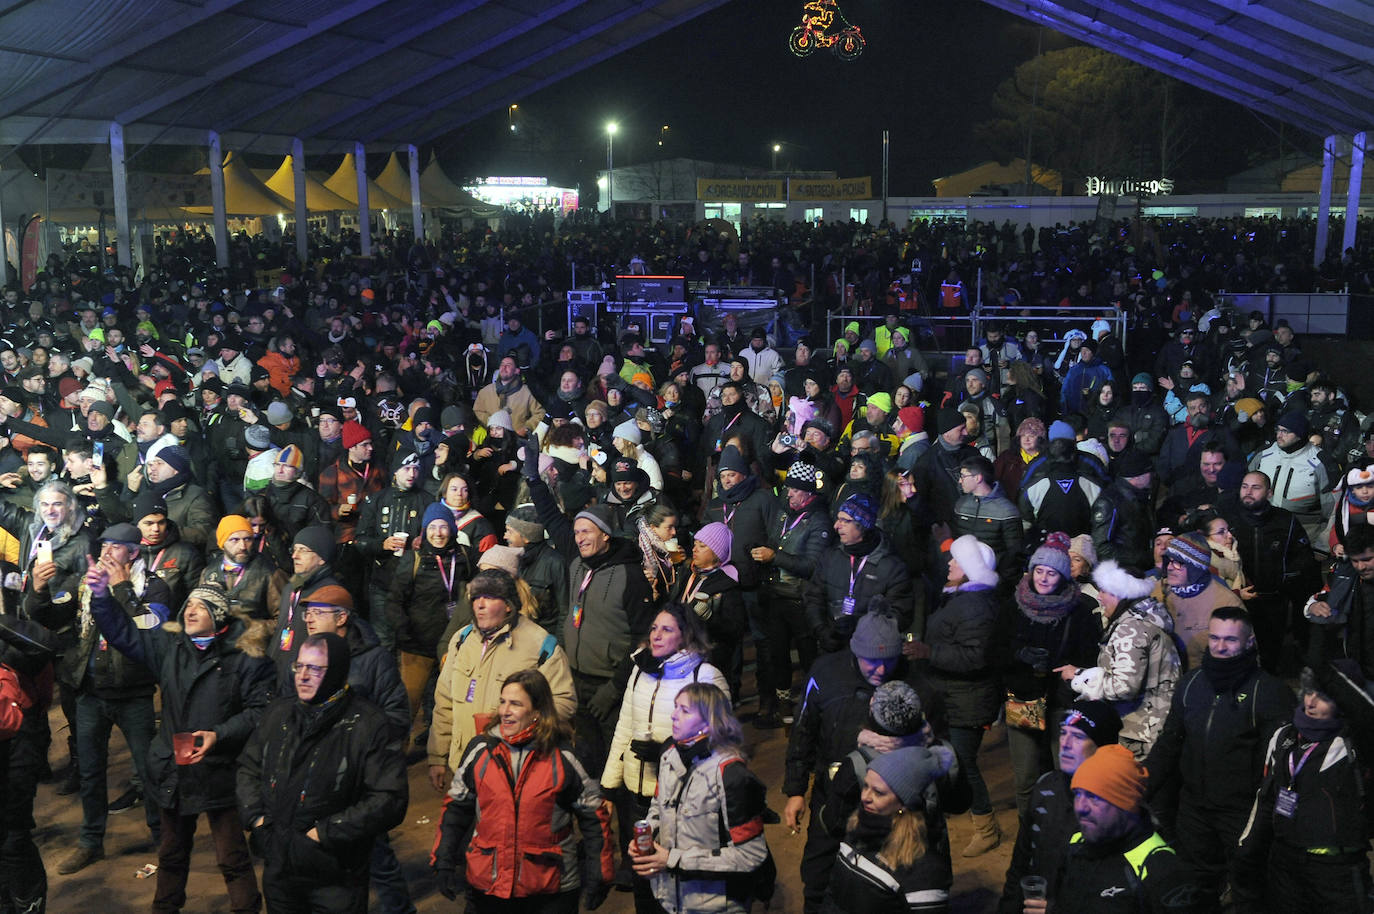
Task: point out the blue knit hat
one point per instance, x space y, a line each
862 509
438 511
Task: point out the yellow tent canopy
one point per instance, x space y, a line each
437 189
395 180
318 198
244 194
344 182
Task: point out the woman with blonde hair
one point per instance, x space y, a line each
886 862
709 853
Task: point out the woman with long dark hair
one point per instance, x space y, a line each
518 788
673 656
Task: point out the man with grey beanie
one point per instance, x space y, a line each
834 708
609 608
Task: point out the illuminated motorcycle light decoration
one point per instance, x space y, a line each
824 26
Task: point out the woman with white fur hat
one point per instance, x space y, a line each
1137 659
957 644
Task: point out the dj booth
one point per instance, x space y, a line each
656 304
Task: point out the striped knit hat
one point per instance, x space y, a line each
1190 549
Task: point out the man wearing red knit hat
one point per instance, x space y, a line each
1117 862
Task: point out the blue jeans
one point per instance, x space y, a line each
95 718
393 895
966 741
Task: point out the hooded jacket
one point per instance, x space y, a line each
223 688
1302 483
1137 669
331 767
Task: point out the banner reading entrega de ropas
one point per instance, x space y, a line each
744 190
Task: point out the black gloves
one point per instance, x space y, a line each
1037 658
530 468
646 750
447 882
835 636
595 895
605 704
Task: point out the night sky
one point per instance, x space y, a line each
728 88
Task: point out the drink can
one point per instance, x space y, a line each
644 837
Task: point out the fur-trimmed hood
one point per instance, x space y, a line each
243 633
1120 583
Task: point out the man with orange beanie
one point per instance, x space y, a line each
246 573
1117 862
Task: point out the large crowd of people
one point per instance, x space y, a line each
296 528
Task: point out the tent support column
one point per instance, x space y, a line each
217 201
5 248
417 213
1352 194
302 217
364 223
1324 206
123 240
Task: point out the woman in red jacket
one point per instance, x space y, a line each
522 785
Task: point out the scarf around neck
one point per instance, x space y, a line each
1048 607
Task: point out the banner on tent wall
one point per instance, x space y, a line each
830 188
739 190
28 261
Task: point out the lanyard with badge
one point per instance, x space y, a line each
448 580
288 634
1286 802
577 604
853 577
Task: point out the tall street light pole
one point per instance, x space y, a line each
777 148
611 128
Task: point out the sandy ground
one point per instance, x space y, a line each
111 886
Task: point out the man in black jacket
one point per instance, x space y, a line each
848 578
316 834
1042 841
372 674
1277 559
834 709
388 523
251 578
610 608
936 472
1123 516
1117 862
1214 739
295 505
216 680
798 537
110 689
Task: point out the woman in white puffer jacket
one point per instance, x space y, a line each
672 657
